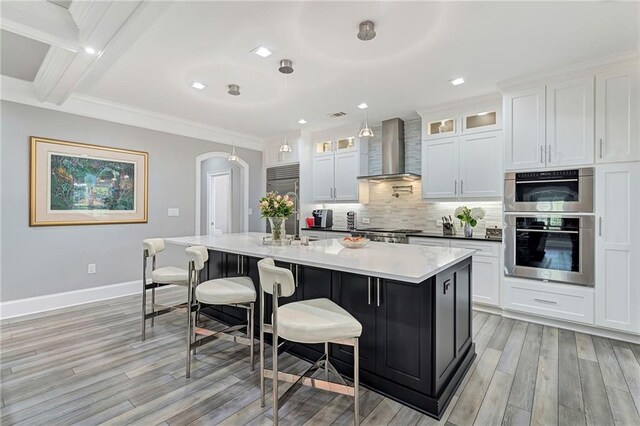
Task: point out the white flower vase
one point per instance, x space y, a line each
278 232
468 230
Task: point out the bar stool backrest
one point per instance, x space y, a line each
198 255
153 246
270 274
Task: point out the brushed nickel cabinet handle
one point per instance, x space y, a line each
238 266
296 275
378 291
455 187
461 187
368 290
600 226
550 302
600 147
335 192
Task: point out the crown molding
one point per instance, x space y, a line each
580 69
461 104
23 92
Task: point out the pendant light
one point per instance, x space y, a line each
286 63
366 33
233 158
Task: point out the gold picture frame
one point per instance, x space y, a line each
72 183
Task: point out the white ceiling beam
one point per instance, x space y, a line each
98 24
41 20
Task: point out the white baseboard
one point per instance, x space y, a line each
568 325
48 302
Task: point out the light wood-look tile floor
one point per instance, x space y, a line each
86 365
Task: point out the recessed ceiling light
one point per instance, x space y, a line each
302 121
198 85
90 50
363 106
262 51
457 81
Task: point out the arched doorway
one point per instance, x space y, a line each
240 192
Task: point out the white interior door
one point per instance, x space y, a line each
219 203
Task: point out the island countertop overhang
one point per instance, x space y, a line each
401 262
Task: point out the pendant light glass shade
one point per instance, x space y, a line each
233 157
285 147
366 131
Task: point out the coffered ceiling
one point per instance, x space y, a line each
419 47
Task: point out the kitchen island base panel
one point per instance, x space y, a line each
416 340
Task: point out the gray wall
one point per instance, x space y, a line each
237 188
45 260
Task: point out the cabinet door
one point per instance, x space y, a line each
445 325
617 112
346 176
524 129
323 177
618 247
481 165
440 168
403 330
486 280
570 121
355 294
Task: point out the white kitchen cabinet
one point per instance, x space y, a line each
618 246
346 176
524 129
468 166
323 171
570 122
480 167
617 112
440 168
486 261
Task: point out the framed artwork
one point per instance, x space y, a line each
79 184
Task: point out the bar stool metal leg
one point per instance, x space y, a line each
356 381
326 365
153 294
274 327
261 345
189 324
144 294
250 321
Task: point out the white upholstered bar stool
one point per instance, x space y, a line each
235 291
168 275
306 321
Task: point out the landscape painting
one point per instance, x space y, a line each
80 184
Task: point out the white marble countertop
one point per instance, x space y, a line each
402 262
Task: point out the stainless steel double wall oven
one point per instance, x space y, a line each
549 226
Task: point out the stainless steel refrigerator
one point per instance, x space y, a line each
286 180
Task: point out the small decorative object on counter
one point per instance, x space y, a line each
277 209
310 222
351 221
469 218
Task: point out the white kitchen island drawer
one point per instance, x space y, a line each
560 301
482 248
432 242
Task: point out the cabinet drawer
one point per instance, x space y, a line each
572 304
482 248
433 242
318 235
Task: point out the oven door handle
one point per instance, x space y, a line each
546 181
552 231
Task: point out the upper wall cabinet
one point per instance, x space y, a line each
617 112
570 111
483 117
550 126
337 163
273 157
468 166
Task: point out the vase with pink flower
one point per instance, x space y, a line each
276 209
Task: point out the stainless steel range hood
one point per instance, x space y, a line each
392 153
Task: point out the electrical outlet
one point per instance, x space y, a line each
366 220
91 268
173 212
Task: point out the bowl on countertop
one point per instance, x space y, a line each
353 244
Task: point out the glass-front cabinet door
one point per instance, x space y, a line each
323 147
441 128
481 121
345 144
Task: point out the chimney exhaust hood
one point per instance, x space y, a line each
392 153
